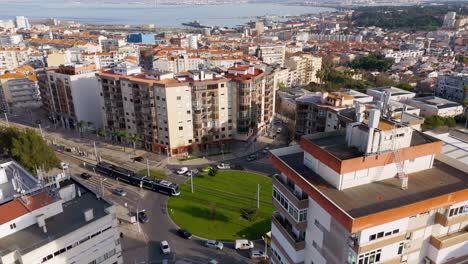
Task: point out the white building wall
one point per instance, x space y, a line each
179 114
400 224
314 234
85 94
296 256
321 169
441 256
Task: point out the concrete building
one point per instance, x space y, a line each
271 54
54 220
70 95
18 92
453 87
10 40
188 111
377 192
142 38
449 20
396 94
22 22
303 69
432 105
11 58
259 27
178 64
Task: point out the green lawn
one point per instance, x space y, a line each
153 174
213 210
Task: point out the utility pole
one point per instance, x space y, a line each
266 245
42 133
95 151
6 119
191 180
258 196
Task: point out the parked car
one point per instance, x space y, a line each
223 166
143 217
207 169
64 165
243 244
279 130
252 157
139 159
257 254
184 233
265 150
165 247
85 176
119 192
182 171
214 244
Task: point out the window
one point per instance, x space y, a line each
188 112
181 128
400 248
179 98
372 237
370 257
12 226
380 234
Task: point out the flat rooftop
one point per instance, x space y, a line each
336 144
27 181
383 195
71 219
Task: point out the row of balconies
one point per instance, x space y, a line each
286 230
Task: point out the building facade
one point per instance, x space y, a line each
70 94
453 87
54 220
432 105
372 193
18 92
303 69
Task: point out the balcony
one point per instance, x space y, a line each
450 240
300 200
286 230
443 220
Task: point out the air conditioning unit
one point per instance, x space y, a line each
408 235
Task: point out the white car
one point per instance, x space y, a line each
64 165
243 244
182 170
223 166
165 247
257 254
279 130
214 244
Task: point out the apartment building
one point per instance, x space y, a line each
396 94
303 69
54 220
70 94
178 64
453 87
10 40
11 58
432 105
319 112
377 192
271 54
179 113
18 92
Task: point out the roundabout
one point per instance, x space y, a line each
224 206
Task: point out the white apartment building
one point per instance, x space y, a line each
11 58
453 87
377 192
70 94
271 54
396 94
54 220
401 54
178 64
10 40
18 92
432 105
22 22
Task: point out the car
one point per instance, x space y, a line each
214 244
223 166
85 176
243 244
139 159
252 157
208 169
143 217
119 192
165 247
184 233
257 254
182 171
64 165
279 130
265 150
195 172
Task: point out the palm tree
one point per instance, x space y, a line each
123 136
101 133
134 138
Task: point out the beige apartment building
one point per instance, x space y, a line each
303 69
176 114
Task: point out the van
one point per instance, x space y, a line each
243 244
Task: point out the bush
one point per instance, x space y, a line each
434 122
249 213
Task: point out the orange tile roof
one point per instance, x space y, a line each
16 208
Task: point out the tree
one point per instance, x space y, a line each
134 138
32 152
101 133
7 134
81 126
374 62
122 136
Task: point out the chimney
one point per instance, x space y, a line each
373 123
251 70
359 111
89 215
41 222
